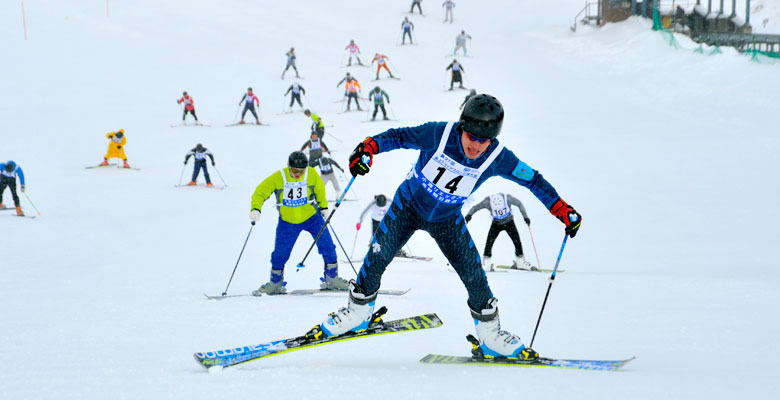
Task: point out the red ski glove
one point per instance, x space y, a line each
357 226
568 215
362 157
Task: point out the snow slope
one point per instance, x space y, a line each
668 154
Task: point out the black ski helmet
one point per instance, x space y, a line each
184 93
249 89
482 116
307 112
199 147
120 133
381 200
10 166
297 160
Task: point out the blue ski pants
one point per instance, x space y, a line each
200 164
287 235
451 236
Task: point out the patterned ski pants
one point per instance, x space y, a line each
450 235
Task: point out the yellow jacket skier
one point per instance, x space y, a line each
300 199
116 148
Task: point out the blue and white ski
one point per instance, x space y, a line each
315 337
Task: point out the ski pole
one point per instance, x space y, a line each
552 279
327 221
354 243
398 40
220 175
182 173
391 110
334 136
534 244
397 71
239 258
306 99
33 204
236 116
333 231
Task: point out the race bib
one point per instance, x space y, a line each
498 206
448 181
295 194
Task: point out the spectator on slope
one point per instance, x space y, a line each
8 172
116 148
199 153
189 106
500 206
300 198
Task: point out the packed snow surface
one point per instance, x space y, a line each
670 156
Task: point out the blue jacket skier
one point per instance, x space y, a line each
455 159
8 172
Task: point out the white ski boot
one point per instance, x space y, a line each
521 263
487 264
355 317
495 342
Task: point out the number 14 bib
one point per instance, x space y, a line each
447 180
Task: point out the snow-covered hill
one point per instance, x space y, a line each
669 155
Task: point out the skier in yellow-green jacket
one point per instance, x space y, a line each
317 125
300 199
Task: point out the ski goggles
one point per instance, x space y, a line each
475 138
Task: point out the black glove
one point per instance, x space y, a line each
362 158
468 219
185 162
119 147
213 163
527 221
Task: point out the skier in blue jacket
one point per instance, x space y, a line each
455 159
8 172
